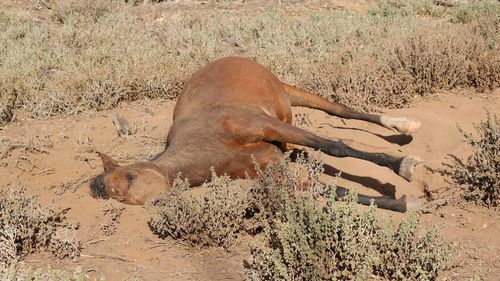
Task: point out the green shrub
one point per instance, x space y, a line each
479 176
280 180
338 241
26 227
214 219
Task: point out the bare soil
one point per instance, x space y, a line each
55 159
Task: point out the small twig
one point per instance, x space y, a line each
435 204
156 245
94 241
42 3
123 127
429 97
85 178
8 149
104 256
27 159
49 171
88 162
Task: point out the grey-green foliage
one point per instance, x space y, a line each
338 241
387 8
463 12
279 180
467 12
15 272
479 175
215 218
27 227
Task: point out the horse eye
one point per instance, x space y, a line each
130 178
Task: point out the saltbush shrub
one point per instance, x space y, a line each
16 272
213 219
280 180
26 227
338 241
479 175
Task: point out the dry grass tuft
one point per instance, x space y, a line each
27 227
32 144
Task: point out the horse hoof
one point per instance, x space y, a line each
407 165
400 124
406 203
410 127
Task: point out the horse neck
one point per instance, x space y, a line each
171 163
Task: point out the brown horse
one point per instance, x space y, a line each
233 109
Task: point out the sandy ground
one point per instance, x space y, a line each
61 162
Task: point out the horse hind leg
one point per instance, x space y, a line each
403 204
300 98
270 129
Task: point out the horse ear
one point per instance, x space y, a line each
108 163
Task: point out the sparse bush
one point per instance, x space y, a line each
340 242
214 219
26 227
15 273
280 180
474 10
111 217
391 8
457 11
479 176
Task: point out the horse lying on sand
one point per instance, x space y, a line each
234 109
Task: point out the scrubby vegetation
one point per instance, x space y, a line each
340 242
275 183
91 55
15 273
304 239
452 11
227 209
479 175
26 227
212 219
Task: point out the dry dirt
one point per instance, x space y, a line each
55 159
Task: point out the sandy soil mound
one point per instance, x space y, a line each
55 159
